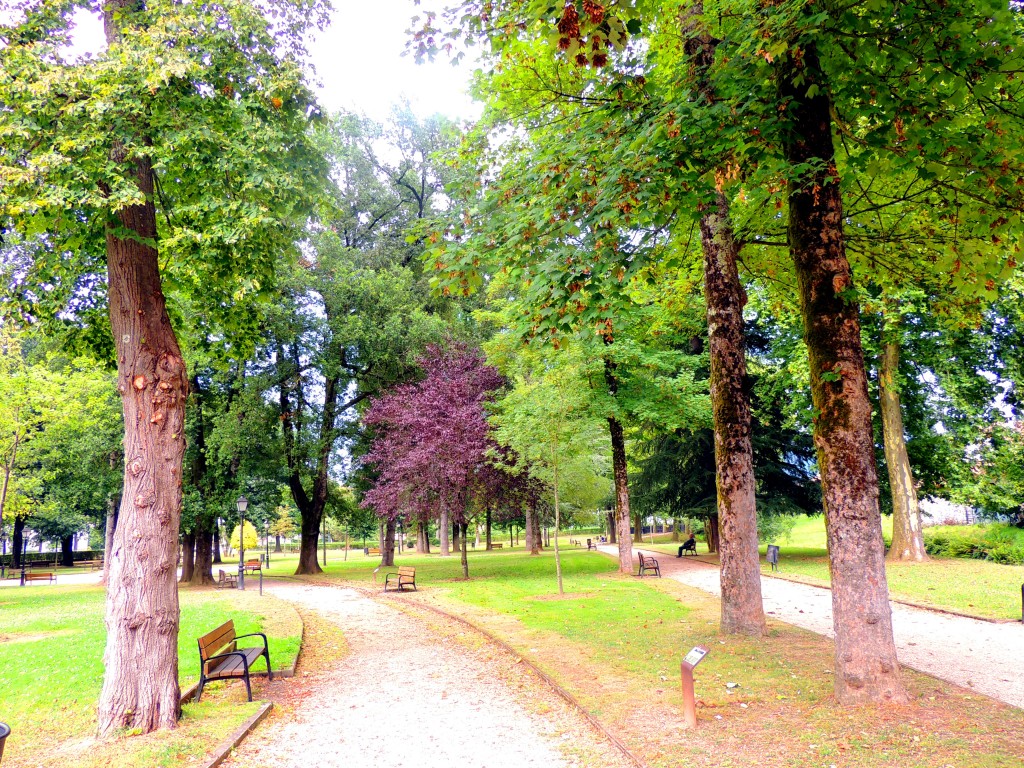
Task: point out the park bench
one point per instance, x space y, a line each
48 576
251 566
495 545
371 551
406 576
690 547
648 565
94 564
220 657
225 579
591 545
39 564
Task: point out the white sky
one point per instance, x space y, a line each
359 64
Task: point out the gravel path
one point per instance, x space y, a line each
417 695
980 655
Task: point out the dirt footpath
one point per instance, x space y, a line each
415 694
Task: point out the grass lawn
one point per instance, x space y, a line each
977 587
51 653
615 642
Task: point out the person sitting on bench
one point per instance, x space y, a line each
690 545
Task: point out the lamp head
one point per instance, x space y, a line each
243 504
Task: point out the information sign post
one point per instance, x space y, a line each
689 662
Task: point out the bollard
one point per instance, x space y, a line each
5 731
686 667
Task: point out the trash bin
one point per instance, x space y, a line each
5 731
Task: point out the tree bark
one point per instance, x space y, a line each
487 528
531 540
442 533
612 538
421 537
711 531
67 551
907 535
188 556
140 686
742 610
558 555
18 540
277 542
464 535
387 552
866 667
202 571
113 505
216 543
638 529
621 480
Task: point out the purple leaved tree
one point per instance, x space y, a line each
432 443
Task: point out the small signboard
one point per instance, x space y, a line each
695 656
773 556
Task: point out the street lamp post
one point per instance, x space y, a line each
243 504
266 539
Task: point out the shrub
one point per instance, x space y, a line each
997 542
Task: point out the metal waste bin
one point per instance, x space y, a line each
5 731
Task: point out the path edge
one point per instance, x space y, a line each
224 749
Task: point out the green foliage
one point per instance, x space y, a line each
251 537
998 543
213 95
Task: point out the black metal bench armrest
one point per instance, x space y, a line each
255 634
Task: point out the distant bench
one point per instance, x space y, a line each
496 546
220 657
648 565
48 576
251 566
371 551
406 576
94 564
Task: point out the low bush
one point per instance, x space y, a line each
998 542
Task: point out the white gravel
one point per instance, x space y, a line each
981 655
410 695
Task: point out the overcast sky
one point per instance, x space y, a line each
359 62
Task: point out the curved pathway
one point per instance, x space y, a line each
980 655
409 693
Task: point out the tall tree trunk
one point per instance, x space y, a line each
558 555
612 538
277 542
742 610
140 687
67 551
387 553
675 529
711 527
531 539
487 528
421 537
442 533
619 475
113 505
907 535
309 540
216 542
202 572
188 556
866 668
18 541
638 528
465 557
